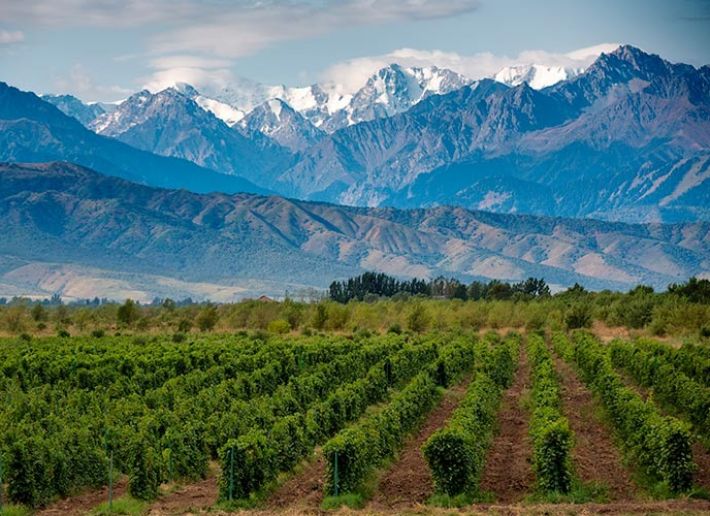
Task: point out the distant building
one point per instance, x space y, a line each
265 299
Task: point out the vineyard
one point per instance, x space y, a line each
381 422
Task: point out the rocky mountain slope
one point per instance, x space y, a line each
34 130
64 224
171 123
604 143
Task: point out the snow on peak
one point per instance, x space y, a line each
228 114
535 75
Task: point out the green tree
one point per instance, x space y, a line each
128 312
207 318
418 319
39 312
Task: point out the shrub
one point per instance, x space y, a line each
247 462
578 315
279 326
145 474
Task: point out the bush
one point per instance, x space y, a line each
98 334
145 476
579 315
247 462
279 326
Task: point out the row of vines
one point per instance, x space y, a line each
661 445
157 410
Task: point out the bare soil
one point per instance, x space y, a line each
687 507
508 470
595 457
84 502
190 498
302 493
408 481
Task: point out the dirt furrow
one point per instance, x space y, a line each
189 498
408 481
84 502
595 457
508 470
303 492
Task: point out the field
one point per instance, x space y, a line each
377 423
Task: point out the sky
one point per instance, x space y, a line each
106 49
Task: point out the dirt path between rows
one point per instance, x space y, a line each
595 457
302 493
408 481
508 470
189 498
84 502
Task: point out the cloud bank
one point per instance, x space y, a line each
353 73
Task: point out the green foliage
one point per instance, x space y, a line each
279 326
207 318
456 453
146 473
653 367
578 315
361 447
661 445
247 462
128 313
549 429
418 318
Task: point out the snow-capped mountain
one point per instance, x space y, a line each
535 75
394 89
72 106
172 123
389 91
228 114
280 122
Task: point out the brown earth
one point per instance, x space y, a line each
508 470
687 507
594 455
302 493
408 481
84 502
190 498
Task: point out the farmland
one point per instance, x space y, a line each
379 422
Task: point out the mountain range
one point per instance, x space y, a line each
625 139
71 230
438 174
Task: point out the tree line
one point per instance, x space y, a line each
377 284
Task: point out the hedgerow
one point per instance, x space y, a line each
456 453
352 453
549 429
291 437
661 445
670 385
70 406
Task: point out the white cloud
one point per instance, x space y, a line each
11 36
78 82
242 31
353 73
198 77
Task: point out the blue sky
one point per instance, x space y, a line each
102 50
